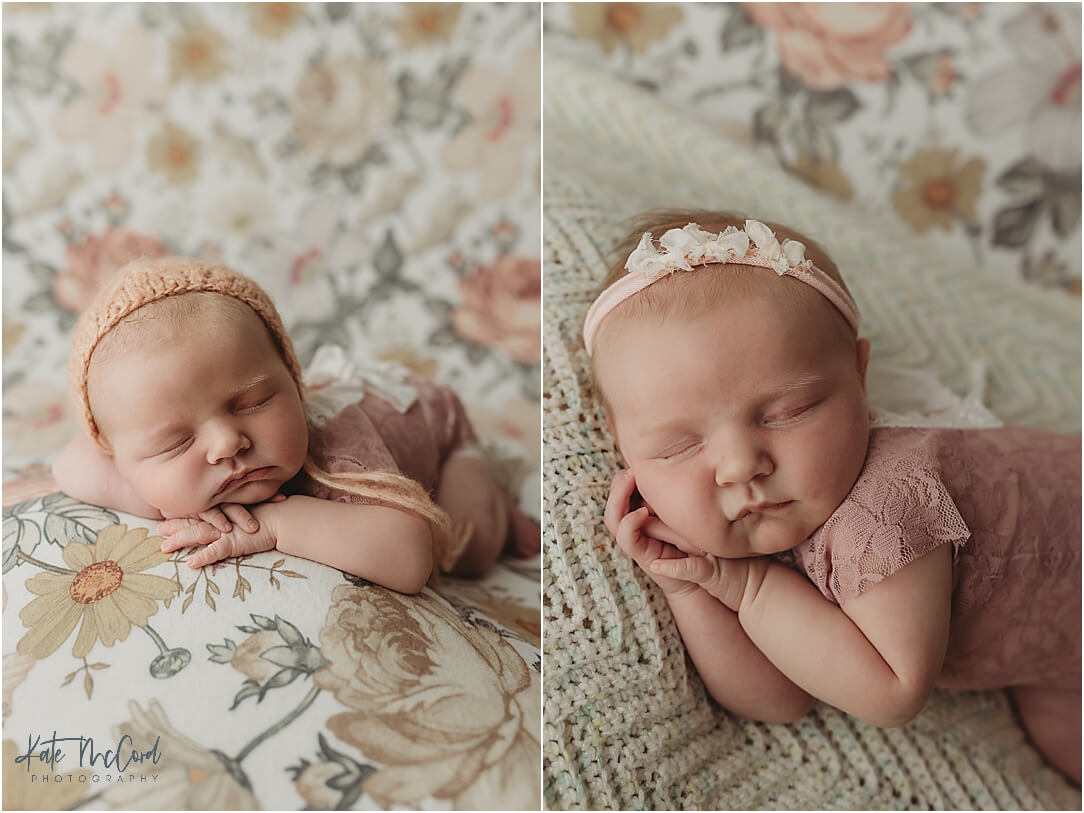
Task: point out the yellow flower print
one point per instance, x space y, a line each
108 593
13 331
197 55
273 20
637 24
423 23
175 152
936 190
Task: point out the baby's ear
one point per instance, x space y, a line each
862 358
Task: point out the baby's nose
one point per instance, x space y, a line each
226 441
740 462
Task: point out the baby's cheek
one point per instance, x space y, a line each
168 490
670 504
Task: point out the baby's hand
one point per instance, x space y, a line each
638 534
726 579
183 532
218 518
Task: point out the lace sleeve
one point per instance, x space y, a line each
898 511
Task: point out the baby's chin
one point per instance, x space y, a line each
247 494
765 539
250 493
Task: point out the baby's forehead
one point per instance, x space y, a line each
175 318
726 298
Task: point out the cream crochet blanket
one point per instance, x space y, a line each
628 724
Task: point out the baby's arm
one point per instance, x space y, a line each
470 494
87 473
875 657
383 545
733 670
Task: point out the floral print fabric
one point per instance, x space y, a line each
958 121
376 169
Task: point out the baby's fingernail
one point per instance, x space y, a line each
228 528
252 525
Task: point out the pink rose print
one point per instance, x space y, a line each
94 260
500 307
827 44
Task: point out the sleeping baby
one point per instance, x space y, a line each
803 551
195 414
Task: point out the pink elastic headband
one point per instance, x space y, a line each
691 246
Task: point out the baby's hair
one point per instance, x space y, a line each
688 294
175 313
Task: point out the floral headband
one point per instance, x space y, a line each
691 246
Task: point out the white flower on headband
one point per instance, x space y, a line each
764 239
794 252
690 246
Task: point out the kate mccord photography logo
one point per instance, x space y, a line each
45 759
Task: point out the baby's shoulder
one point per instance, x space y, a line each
898 510
900 491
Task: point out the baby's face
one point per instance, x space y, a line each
186 414
744 427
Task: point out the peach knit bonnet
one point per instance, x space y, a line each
144 281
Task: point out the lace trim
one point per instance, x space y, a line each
898 511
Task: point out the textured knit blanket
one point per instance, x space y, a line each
627 721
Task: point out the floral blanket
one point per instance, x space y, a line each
376 169
959 121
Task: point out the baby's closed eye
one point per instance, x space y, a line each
172 447
788 413
679 449
254 405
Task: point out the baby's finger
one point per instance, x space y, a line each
617 504
215 517
195 534
698 569
171 526
629 536
215 552
241 516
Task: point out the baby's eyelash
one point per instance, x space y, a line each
256 406
790 413
176 447
677 451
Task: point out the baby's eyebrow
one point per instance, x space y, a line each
798 383
253 383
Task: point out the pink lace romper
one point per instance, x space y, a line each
1009 502
371 434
